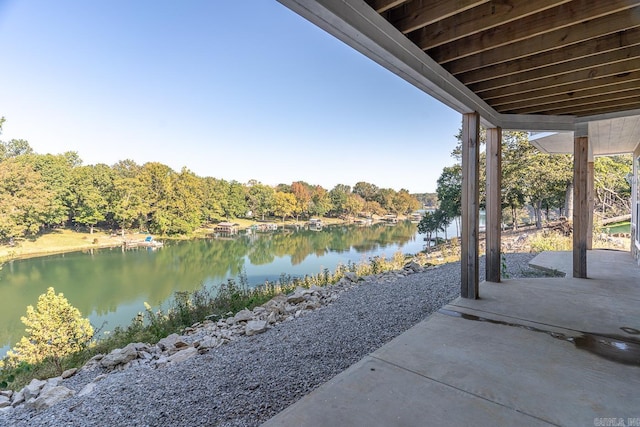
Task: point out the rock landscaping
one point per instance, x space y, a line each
281 351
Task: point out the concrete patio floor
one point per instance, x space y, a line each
552 351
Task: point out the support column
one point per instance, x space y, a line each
590 203
580 205
494 204
470 205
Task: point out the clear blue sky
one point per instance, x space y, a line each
236 90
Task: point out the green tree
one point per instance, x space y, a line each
260 199
338 196
129 195
14 148
429 224
366 190
320 201
449 191
56 174
611 186
213 193
24 200
185 203
55 329
235 204
88 196
385 198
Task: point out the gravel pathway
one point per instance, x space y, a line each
248 381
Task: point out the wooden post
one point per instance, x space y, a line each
494 204
580 206
470 205
590 204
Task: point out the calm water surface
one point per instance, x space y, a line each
111 285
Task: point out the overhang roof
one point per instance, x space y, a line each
606 137
522 64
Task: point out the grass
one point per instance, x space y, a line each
187 309
57 241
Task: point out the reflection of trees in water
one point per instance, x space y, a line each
260 251
109 278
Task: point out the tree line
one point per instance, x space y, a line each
41 191
533 180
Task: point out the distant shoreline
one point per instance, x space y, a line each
66 240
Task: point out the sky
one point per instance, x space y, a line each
238 90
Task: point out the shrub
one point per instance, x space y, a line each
55 329
550 241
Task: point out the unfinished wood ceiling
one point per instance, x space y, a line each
549 57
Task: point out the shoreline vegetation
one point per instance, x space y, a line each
191 307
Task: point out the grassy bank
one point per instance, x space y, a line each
187 309
58 241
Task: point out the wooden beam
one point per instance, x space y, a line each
618 69
418 13
550 20
605 105
590 63
598 46
519 103
536 107
472 21
580 206
494 204
557 39
384 5
470 205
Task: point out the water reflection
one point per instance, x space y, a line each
111 285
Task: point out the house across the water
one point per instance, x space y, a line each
226 228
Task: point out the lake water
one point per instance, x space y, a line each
112 285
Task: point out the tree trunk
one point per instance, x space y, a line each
514 217
537 209
568 201
91 229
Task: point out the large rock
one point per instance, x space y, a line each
183 355
33 389
297 297
168 342
208 342
243 316
414 266
255 327
351 276
18 398
119 356
69 373
51 397
4 401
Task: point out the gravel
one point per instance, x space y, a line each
250 380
